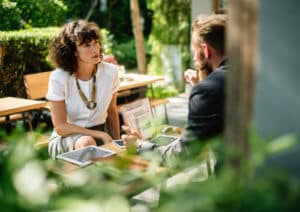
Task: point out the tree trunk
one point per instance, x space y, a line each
91 10
138 36
241 40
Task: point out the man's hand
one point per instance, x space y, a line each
130 139
191 76
129 131
110 59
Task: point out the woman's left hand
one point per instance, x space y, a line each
105 137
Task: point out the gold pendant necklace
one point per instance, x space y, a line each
92 103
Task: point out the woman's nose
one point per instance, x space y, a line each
95 47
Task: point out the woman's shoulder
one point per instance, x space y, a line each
109 68
59 74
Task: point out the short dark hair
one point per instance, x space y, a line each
211 29
63 47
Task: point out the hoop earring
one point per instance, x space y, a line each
101 58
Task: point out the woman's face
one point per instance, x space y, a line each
88 52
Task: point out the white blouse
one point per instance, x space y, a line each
62 86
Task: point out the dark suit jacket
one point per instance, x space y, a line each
206 112
206 106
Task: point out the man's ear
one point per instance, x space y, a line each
206 50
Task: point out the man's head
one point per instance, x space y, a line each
208 41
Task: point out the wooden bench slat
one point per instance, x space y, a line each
37 84
157 102
14 117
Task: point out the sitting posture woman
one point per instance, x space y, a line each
82 90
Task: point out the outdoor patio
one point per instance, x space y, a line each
252 163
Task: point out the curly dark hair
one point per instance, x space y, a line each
63 47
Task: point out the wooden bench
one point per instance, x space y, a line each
7 120
11 118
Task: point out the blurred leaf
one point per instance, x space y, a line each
281 144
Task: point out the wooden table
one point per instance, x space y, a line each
16 107
137 80
12 105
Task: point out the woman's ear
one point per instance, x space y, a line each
206 50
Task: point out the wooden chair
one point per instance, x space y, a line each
37 85
158 102
36 88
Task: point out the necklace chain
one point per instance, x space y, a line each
92 103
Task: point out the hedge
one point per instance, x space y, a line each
23 52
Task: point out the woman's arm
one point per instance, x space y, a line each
63 128
113 121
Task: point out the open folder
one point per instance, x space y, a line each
138 116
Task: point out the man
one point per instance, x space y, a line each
207 98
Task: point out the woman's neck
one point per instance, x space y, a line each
86 72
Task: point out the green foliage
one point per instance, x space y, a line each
107 40
31 13
171 26
24 52
236 189
162 91
20 14
32 182
171 21
40 13
116 17
277 192
125 53
10 15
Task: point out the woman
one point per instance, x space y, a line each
82 90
